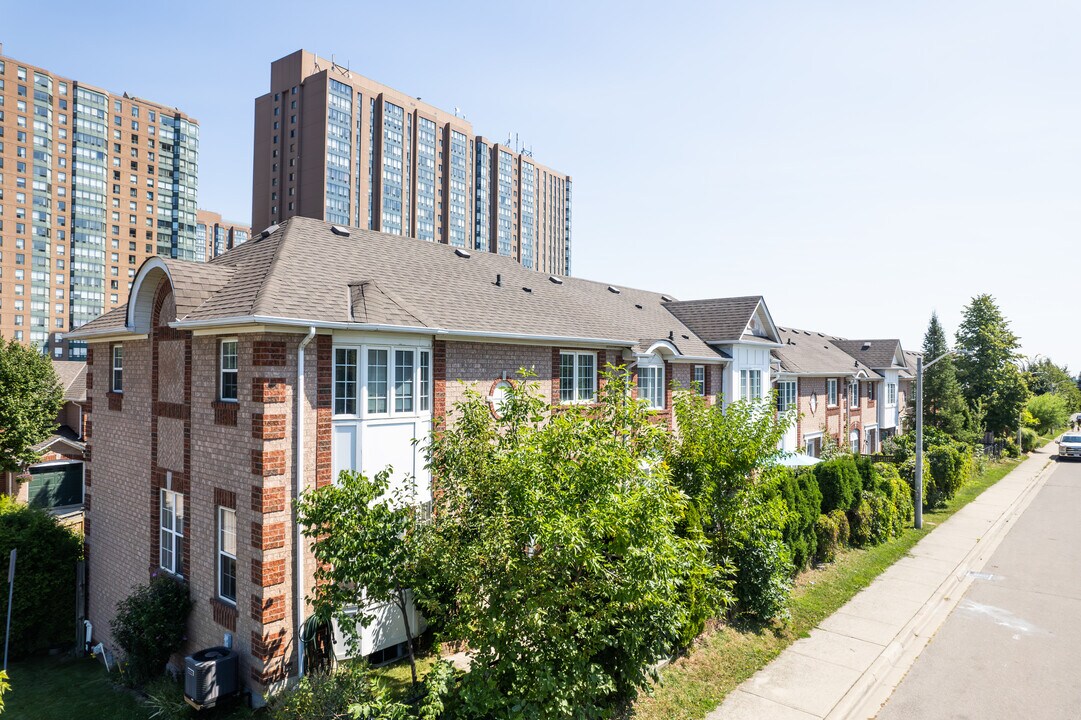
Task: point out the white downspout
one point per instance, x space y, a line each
298 600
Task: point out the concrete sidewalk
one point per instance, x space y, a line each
853 660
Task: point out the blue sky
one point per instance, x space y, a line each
858 163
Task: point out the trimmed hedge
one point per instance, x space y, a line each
43 606
840 483
804 500
827 539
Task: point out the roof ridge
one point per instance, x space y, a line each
275 254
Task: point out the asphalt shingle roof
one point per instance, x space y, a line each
304 271
72 374
717 319
877 354
814 353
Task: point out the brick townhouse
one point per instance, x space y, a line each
223 389
853 391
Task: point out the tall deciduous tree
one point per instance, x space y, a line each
363 541
30 399
943 403
1045 377
559 538
986 368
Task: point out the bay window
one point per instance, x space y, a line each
371 380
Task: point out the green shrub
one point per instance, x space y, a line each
859 523
149 625
804 500
763 580
947 466
866 468
840 483
844 531
1050 411
885 519
897 491
43 604
349 691
1010 449
165 699
827 540
1030 440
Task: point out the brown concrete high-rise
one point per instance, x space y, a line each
218 235
336 146
91 184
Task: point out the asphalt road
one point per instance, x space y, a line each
1012 647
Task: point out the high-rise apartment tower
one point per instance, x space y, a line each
333 145
91 184
218 235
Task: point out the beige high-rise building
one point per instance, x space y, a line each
91 184
218 235
333 145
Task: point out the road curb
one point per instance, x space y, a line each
874 687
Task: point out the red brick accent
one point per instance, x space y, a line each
225 498
555 376
116 401
86 477
266 647
268 427
324 366
89 375
323 412
86 502
268 609
268 353
267 499
225 413
323 444
268 390
177 411
89 357
268 536
224 614
268 463
269 676
268 573
439 380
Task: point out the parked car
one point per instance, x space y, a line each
1069 446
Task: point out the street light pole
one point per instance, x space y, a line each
918 480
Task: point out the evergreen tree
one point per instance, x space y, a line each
986 368
943 404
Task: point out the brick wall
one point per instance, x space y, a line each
477 365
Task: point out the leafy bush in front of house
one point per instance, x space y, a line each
859 522
559 534
844 530
840 483
827 540
950 466
43 604
348 691
866 468
725 462
150 624
898 492
804 500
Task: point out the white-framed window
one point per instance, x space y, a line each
854 441
227 370
750 384
227 554
172 531
424 394
786 395
118 368
651 385
891 393
345 381
871 391
854 394
813 444
382 380
831 392
577 377
404 380
377 386
698 377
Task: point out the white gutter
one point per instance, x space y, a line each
299 565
